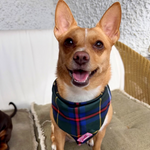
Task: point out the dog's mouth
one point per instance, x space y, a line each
80 77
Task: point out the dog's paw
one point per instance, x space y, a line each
54 147
90 142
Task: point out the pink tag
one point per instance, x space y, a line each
84 137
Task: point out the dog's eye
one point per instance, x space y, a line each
69 42
98 45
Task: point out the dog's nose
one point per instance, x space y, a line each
81 58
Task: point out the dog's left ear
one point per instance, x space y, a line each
63 19
110 22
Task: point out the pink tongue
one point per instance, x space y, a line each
80 76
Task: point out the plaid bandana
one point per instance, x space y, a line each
80 120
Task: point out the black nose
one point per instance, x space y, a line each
81 58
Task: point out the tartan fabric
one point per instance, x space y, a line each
77 119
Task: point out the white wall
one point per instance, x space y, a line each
39 14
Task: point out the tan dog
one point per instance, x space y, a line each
83 72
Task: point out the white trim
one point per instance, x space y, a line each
32 132
46 122
39 129
136 100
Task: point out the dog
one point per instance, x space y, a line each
81 100
6 128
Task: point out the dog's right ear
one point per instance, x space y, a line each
63 18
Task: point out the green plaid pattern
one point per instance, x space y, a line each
78 119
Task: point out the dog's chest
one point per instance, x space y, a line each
76 94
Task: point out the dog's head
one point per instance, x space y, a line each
84 53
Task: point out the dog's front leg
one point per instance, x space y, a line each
57 135
57 138
98 139
100 135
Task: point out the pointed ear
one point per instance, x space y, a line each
63 18
110 22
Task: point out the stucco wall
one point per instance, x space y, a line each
39 14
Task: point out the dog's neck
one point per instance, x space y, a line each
76 94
